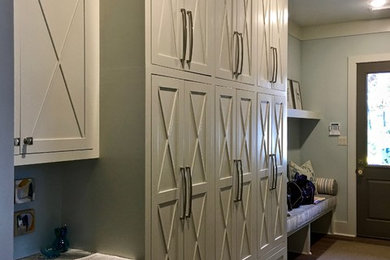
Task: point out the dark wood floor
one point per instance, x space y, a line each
321 243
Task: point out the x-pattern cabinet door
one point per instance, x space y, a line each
264 66
53 93
245 25
225 41
264 207
245 208
278 38
199 56
167 161
278 148
225 127
167 32
181 35
199 154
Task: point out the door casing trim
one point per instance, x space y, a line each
350 226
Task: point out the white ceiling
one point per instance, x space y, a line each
319 12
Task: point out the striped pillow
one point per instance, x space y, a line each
326 186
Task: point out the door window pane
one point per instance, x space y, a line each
378 119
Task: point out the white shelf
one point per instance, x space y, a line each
303 114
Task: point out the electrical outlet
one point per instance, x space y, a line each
342 141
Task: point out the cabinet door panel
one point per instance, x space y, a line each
167 32
278 147
279 41
225 128
263 41
224 29
264 108
167 158
199 157
246 213
18 14
53 94
201 11
245 25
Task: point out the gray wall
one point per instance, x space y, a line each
294 125
6 129
324 89
104 200
47 207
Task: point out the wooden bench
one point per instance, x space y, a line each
299 223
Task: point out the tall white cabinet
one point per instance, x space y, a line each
216 129
56 80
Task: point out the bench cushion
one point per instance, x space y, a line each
305 214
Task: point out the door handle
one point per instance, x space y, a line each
238 182
242 180
28 141
276 171
184 192
188 171
191 31
271 157
241 53
16 141
361 165
273 65
237 53
276 67
184 18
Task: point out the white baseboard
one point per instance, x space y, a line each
343 228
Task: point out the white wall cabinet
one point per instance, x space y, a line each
182 164
56 80
272 44
235 40
181 34
271 171
235 197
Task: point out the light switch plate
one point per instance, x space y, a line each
342 141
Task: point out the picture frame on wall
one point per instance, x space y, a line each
296 93
290 101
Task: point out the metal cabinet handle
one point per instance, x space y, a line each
276 172
273 65
16 141
184 192
188 171
242 53
184 17
238 182
276 67
28 141
236 37
242 180
271 156
191 31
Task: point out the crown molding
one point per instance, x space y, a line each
339 29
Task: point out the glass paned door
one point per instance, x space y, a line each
378 118
372 149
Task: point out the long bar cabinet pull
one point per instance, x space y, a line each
191 31
188 171
277 67
184 17
237 182
271 183
237 56
184 192
242 180
241 53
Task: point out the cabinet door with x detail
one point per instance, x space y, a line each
51 75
